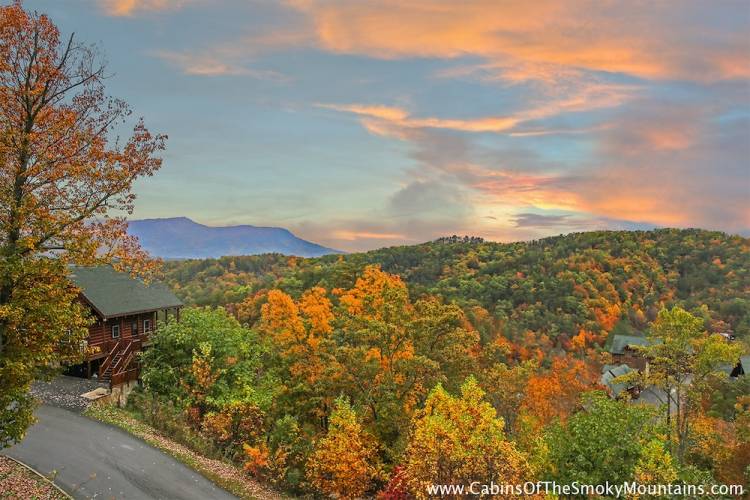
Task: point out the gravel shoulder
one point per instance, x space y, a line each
65 392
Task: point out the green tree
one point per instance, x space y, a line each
684 361
603 442
209 361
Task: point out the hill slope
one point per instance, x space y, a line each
555 286
182 238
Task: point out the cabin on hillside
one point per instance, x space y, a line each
615 387
126 312
623 352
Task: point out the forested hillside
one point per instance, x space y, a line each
556 286
463 361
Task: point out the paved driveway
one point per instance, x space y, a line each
95 460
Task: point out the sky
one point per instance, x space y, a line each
362 124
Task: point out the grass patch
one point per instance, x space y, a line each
226 475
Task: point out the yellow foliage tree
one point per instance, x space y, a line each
344 462
656 465
376 295
459 440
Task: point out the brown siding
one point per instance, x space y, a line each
100 333
630 358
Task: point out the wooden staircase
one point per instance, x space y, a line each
119 366
105 369
106 375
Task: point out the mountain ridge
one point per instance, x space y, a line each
183 238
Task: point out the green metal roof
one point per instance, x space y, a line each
112 293
620 342
611 372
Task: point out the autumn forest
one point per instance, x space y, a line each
596 357
460 360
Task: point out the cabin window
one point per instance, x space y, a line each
115 331
146 325
134 328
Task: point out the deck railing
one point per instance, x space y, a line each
126 356
124 376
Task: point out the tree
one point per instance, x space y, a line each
392 350
684 361
556 393
655 465
605 441
62 175
458 440
208 361
506 388
344 462
300 334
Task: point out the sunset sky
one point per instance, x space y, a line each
361 124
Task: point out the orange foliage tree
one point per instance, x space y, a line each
374 346
61 176
723 446
393 351
555 394
300 331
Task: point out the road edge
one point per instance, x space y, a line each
99 413
64 493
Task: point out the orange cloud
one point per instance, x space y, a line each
396 122
130 7
673 165
508 187
389 113
387 120
530 37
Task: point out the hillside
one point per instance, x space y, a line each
556 286
182 238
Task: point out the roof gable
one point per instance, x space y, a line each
620 342
114 293
612 372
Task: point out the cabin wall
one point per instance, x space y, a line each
630 358
100 333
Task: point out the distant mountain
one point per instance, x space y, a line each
182 238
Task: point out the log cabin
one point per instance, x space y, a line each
126 312
622 351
